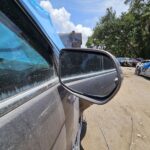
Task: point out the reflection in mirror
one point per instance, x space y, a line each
88 73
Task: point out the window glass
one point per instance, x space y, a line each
21 66
83 63
80 63
107 63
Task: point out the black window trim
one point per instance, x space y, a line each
49 41
55 49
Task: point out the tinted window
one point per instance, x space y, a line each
83 63
80 64
107 63
21 66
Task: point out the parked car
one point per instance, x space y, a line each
42 83
134 62
127 62
145 70
122 61
139 59
139 66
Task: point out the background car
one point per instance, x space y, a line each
134 62
139 66
145 70
123 61
127 62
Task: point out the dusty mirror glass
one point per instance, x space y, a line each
92 74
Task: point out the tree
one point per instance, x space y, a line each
127 35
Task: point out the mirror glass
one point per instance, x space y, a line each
89 73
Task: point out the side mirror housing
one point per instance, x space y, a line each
94 75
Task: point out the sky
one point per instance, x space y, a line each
80 15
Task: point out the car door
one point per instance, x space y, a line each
147 72
31 111
70 102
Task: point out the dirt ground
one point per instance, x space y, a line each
124 122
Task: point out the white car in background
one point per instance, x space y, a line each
139 66
145 71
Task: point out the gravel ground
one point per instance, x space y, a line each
124 122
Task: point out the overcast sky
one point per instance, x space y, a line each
80 15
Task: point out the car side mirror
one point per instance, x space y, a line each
94 75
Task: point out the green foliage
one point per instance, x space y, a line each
127 35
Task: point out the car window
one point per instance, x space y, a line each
80 64
21 66
107 63
84 64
